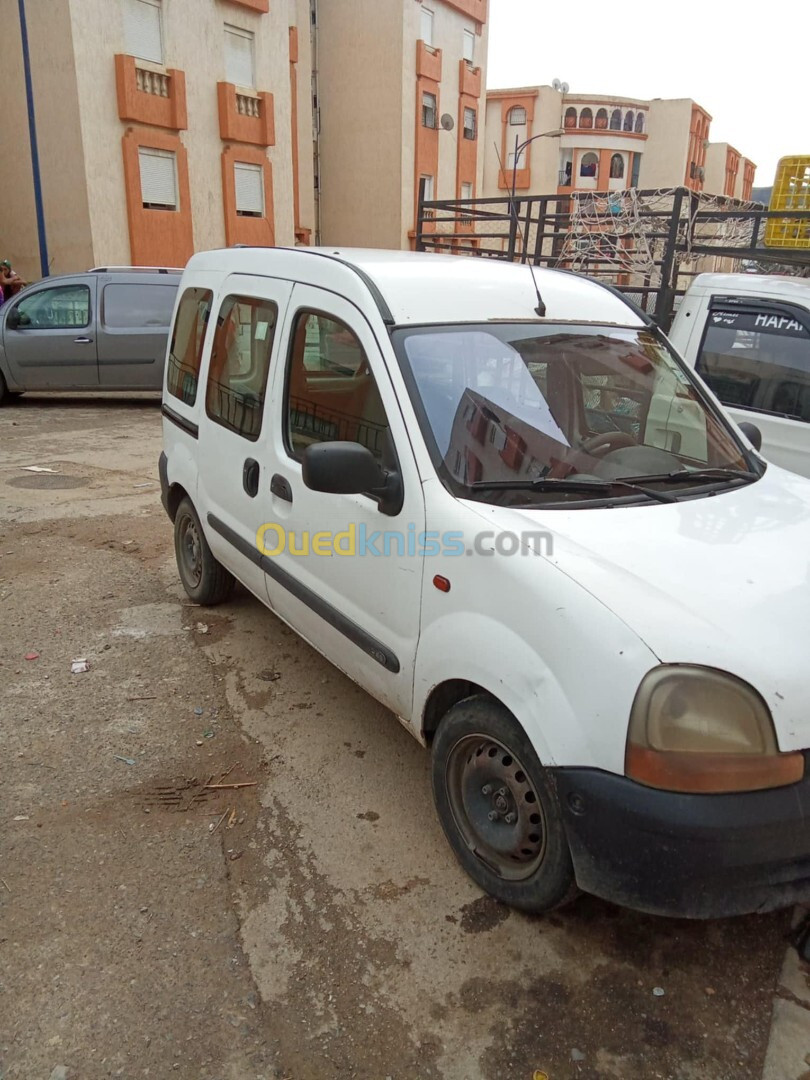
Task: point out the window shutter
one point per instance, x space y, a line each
427 26
249 188
469 45
142 31
239 57
158 177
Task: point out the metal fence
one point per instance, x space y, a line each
648 243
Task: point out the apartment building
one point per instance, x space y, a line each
163 126
596 142
400 104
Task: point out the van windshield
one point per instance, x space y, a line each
536 413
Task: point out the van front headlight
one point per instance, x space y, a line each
701 730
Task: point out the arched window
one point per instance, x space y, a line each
588 165
571 117
586 119
602 120
517 116
629 120
640 124
616 120
617 167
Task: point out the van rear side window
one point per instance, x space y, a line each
185 351
758 360
135 306
240 364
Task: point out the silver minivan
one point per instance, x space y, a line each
105 329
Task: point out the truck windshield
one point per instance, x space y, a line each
507 409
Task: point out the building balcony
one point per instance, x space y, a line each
428 62
148 94
262 6
475 9
245 117
469 79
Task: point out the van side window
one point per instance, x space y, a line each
331 393
65 307
132 305
758 360
240 364
185 351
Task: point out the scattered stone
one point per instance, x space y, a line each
59 1073
658 991
577 1055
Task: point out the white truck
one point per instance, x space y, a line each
748 336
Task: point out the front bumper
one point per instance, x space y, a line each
694 856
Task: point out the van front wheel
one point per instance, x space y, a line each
499 808
205 580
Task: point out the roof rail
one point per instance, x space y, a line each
136 270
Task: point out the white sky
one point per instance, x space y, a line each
726 56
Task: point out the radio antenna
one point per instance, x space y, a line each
541 307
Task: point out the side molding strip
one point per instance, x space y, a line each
184 425
365 641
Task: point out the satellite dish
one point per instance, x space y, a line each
565 88
448 123
556 85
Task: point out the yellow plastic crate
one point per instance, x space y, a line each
791 191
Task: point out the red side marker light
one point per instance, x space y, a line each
441 583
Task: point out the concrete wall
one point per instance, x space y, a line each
715 181
53 73
362 122
663 164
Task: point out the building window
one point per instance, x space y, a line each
586 118
469 46
602 120
629 120
185 351
143 31
617 167
427 188
588 165
470 120
640 124
429 110
466 191
570 117
249 186
239 63
517 116
158 170
427 26
240 363
636 170
616 120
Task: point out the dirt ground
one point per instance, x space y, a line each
314 924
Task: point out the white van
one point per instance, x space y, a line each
748 336
502 505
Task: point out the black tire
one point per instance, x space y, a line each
205 580
484 765
5 395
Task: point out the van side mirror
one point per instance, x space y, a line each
13 319
752 433
347 468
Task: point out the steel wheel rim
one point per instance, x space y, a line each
485 784
190 551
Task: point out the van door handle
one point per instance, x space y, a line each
280 487
250 477
83 340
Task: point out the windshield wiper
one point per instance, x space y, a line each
584 487
688 475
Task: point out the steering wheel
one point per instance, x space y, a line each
603 443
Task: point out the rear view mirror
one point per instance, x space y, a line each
752 433
347 468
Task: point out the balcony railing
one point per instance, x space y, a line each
248 105
152 82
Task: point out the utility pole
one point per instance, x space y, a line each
32 131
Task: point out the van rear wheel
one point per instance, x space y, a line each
499 809
204 578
